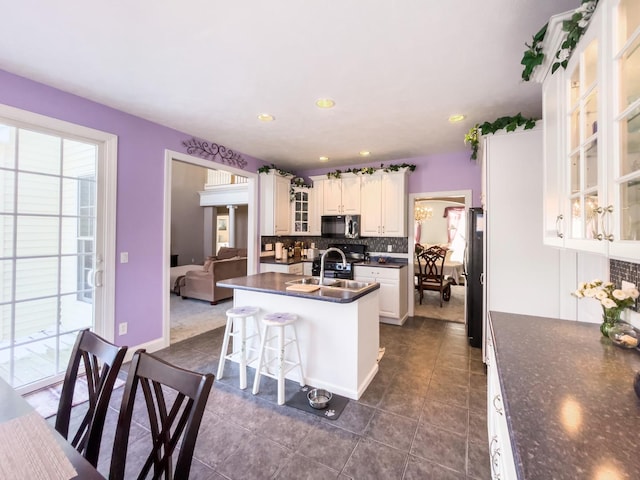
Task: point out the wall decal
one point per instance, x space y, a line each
212 150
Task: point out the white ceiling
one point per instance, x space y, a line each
396 68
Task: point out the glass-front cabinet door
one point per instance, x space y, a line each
625 177
585 180
301 210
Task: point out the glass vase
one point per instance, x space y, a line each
610 317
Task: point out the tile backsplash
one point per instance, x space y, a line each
620 270
377 244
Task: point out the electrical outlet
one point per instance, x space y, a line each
122 328
389 248
124 257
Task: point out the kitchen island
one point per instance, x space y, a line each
564 394
338 330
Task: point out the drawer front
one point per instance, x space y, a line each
383 273
296 269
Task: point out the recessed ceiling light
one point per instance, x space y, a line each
266 117
325 103
458 117
364 153
324 159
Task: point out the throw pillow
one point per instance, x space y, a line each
226 252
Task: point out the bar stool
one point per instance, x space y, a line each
278 321
241 314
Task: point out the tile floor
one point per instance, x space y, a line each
423 417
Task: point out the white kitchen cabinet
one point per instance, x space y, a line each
596 145
301 210
275 203
500 452
383 201
624 116
341 196
294 268
393 304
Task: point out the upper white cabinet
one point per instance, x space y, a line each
305 211
383 199
625 129
275 208
301 205
592 135
341 195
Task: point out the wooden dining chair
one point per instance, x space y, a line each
159 382
101 362
431 273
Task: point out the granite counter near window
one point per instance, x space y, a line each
568 399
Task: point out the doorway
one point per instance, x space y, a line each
439 218
57 224
216 224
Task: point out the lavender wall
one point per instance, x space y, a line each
433 173
141 150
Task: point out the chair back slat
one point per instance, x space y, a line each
101 361
169 420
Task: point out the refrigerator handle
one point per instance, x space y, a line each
482 278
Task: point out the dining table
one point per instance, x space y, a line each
29 444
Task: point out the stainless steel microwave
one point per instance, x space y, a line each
340 226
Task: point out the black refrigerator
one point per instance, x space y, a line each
474 269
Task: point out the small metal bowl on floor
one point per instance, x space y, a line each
319 398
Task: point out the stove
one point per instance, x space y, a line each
333 268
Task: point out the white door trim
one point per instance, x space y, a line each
108 165
253 238
467 194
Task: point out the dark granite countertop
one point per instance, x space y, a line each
388 262
569 399
288 261
273 282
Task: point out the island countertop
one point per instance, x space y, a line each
276 283
568 397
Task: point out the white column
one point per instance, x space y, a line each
232 225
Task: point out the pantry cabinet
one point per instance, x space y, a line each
383 199
592 135
275 208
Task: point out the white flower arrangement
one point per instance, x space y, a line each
612 299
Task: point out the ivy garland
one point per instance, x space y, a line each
503 123
533 56
574 28
268 168
372 170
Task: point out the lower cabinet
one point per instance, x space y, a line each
501 455
393 290
295 268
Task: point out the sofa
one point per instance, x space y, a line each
201 283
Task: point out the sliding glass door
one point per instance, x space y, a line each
51 266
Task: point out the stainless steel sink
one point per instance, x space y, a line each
328 282
351 285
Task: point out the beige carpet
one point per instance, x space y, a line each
453 310
191 317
